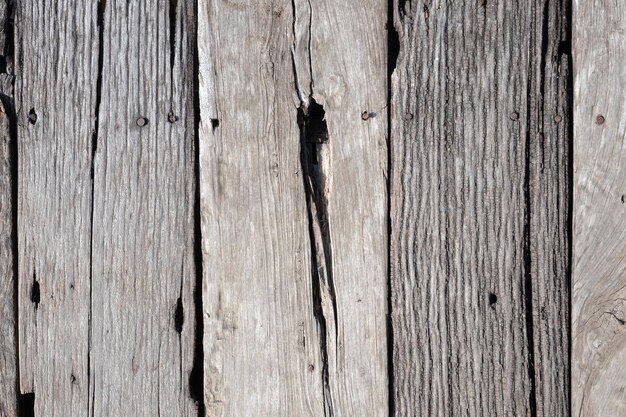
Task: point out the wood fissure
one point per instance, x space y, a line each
314 157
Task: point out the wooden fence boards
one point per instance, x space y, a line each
599 263
252 208
294 273
143 320
478 232
55 126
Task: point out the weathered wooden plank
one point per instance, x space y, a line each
8 340
599 263
479 253
293 203
143 322
55 92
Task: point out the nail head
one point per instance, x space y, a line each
365 115
142 121
408 116
514 115
599 119
557 119
171 117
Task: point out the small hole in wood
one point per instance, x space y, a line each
493 299
32 116
179 316
623 198
35 293
215 123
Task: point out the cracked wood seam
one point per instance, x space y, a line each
599 258
293 207
105 207
479 209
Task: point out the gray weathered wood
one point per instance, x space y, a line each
55 92
8 341
142 320
294 255
599 262
479 252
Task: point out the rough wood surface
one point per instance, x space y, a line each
599 262
293 208
55 92
8 341
143 324
479 254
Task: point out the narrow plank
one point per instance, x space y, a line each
293 204
143 321
55 92
599 264
8 340
341 64
479 254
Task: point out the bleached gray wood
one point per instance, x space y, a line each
56 72
141 355
599 259
8 340
479 204
294 283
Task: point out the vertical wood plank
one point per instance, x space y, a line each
293 203
341 64
143 322
261 342
55 92
598 290
479 254
8 340
8 285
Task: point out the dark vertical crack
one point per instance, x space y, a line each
565 49
94 147
196 377
316 174
172 15
393 51
313 139
527 233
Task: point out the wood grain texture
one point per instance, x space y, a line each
143 323
55 92
479 253
599 263
294 232
8 340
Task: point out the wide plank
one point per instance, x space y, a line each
599 258
479 211
293 204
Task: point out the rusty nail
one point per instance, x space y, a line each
557 119
142 121
514 115
365 115
599 119
408 116
171 117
